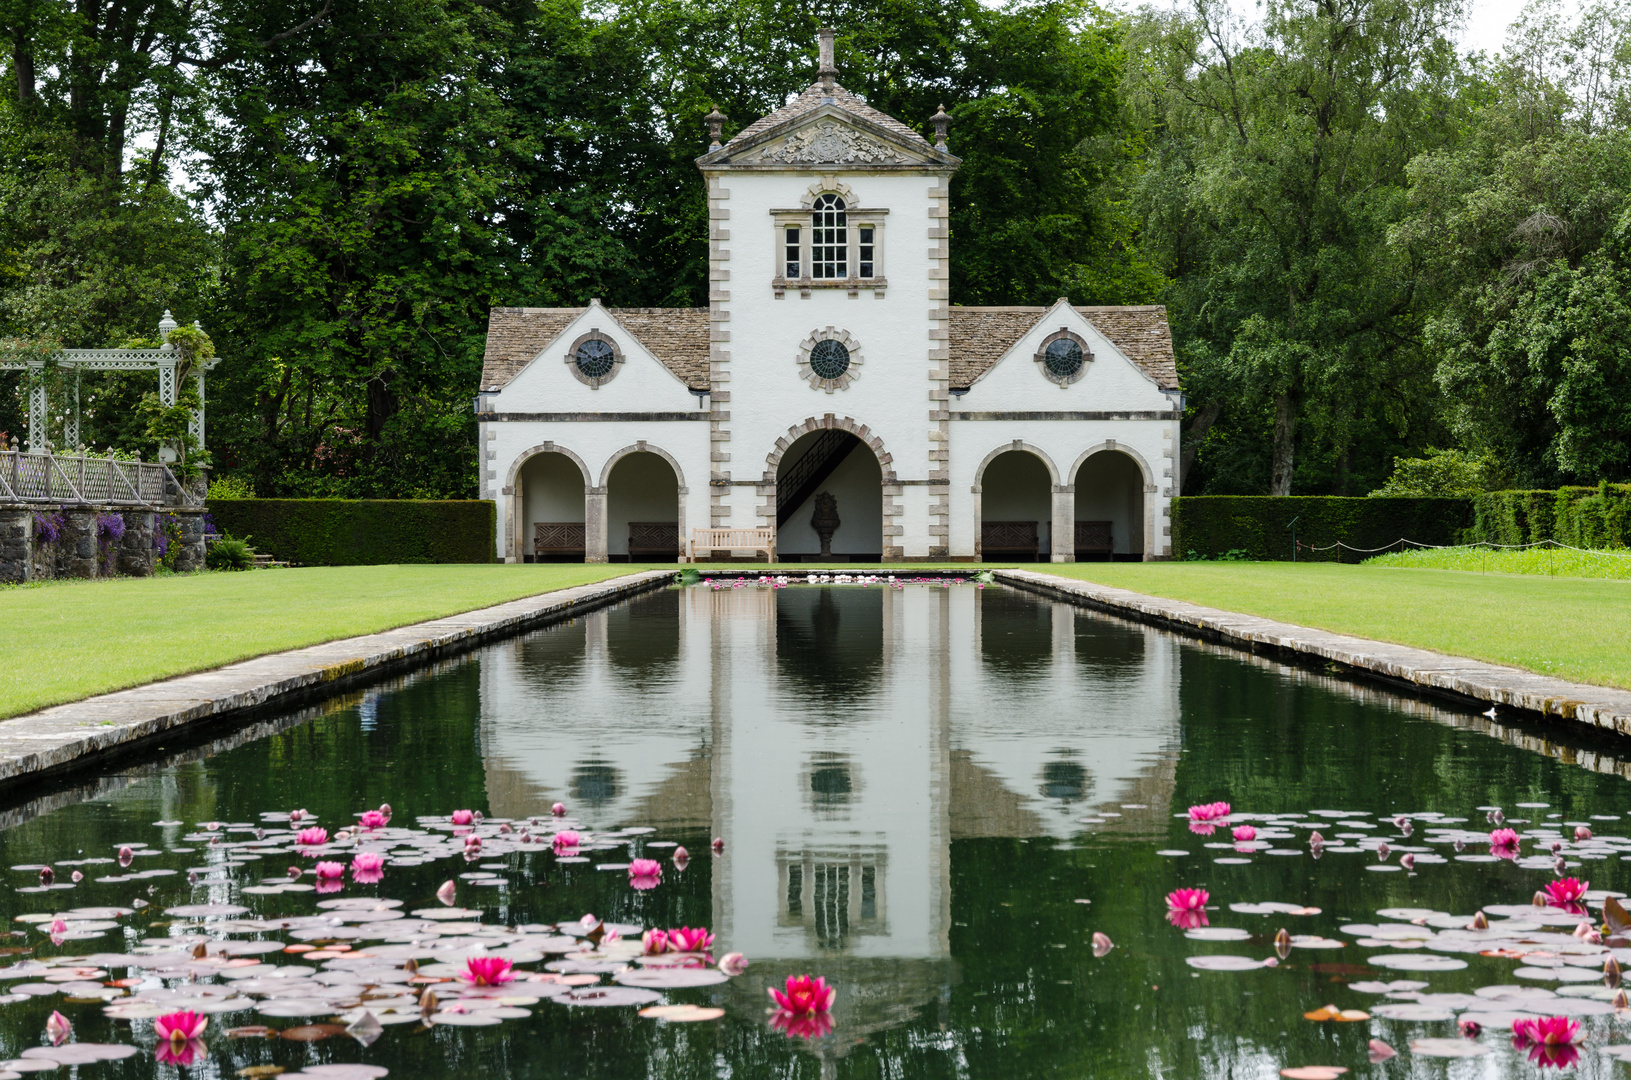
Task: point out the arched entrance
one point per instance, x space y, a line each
644 506
1014 503
1110 514
549 522
832 471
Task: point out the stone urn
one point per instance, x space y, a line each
825 521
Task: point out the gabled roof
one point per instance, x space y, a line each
678 337
980 336
818 95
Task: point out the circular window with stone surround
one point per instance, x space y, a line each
1063 357
594 359
828 359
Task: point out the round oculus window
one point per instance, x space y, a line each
595 358
1063 358
829 359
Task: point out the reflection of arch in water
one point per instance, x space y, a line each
829 642
1016 633
643 640
1107 650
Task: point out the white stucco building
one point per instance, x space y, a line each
830 361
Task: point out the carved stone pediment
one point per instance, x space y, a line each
828 141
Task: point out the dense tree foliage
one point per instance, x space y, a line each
1370 244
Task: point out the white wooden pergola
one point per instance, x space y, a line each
162 359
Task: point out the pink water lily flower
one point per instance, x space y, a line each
328 871
446 893
1582 832
180 1026
1503 838
183 1053
313 837
126 856
645 874
367 867
1208 811
463 817
1567 892
802 1025
487 971
804 995
1244 834
654 942
558 809
567 840
682 858
733 964
1551 1030
1187 899
372 819
57 1028
686 939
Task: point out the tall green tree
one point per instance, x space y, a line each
1276 164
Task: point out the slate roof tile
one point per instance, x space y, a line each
676 336
812 99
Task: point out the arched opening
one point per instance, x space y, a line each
1016 508
1109 508
552 490
829 500
642 510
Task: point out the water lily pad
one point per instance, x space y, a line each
1217 933
682 1014
1314 1072
1448 1048
596 996
311 1032
1223 963
1417 962
1396 987
344 1072
1409 1010
205 911
1408 913
670 978
80 1053
483 1018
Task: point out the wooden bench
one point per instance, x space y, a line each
711 540
558 538
1094 538
1009 539
654 541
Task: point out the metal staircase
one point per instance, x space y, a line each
805 476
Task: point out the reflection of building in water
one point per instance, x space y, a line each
839 740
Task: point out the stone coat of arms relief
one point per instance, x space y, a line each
830 141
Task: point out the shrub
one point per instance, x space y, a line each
1582 517
231 487
360 532
1259 527
1441 474
230 554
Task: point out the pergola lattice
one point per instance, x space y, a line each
163 359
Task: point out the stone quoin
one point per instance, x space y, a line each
830 361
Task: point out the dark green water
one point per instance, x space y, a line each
899 777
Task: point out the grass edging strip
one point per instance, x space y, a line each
65 737
1600 707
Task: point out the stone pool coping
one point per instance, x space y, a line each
64 737
1421 670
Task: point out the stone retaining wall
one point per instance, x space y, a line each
77 552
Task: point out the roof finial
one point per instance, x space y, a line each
941 122
828 71
716 121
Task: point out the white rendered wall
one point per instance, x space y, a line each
890 393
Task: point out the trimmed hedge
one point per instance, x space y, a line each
1259 525
1598 517
362 532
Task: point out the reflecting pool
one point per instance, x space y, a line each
933 796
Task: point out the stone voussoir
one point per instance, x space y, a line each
81 733
1601 707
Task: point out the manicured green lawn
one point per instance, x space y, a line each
70 640
1552 562
1574 628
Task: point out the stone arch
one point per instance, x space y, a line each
822 187
641 446
1017 444
1060 507
1148 501
892 510
515 503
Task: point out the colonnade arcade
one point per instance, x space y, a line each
1026 506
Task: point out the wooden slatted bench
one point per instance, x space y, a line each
1009 539
654 540
711 540
558 538
1094 538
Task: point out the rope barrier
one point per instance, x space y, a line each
1463 547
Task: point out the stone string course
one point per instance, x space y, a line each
82 733
1425 671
